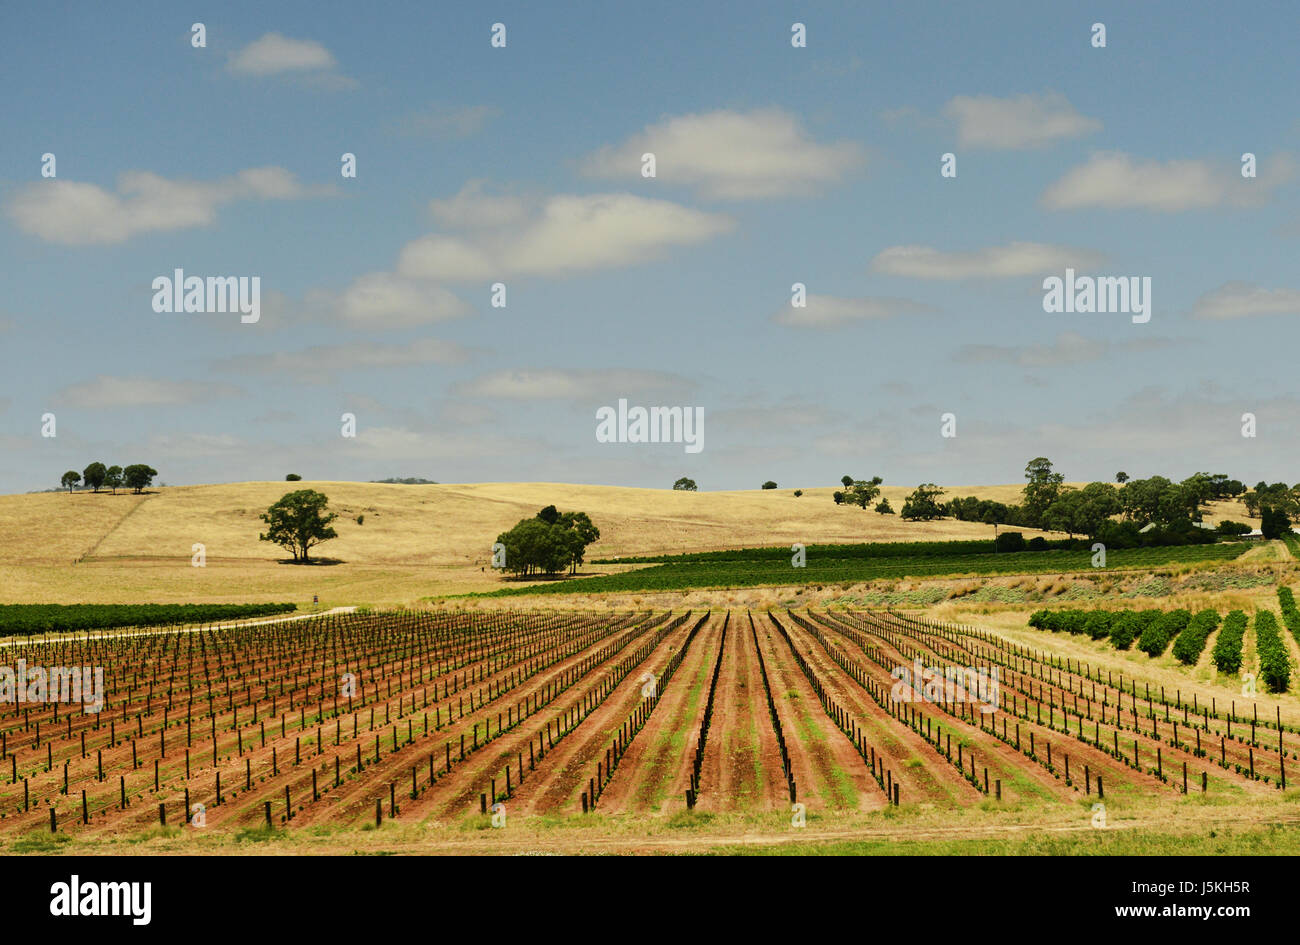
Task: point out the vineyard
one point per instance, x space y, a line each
762 567
356 720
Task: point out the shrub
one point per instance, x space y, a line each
1124 629
1191 642
1227 648
1010 541
1097 624
1290 615
1274 662
1155 638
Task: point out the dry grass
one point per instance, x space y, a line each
416 541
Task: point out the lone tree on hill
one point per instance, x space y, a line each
70 479
769 484
94 476
548 542
299 521
293 477
684 485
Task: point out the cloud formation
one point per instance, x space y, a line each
1113 180
1016 123
76 213
730 155
1242 300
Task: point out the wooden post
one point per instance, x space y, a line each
1101 792
998 785
379 812
54 824
268 814
162 815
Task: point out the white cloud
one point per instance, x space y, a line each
1022 121
731 155
77 213
1242 299
1113 180
320 363
563 235
828 311
274 53
384 299
107 392
550 384
993 262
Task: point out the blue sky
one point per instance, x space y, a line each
775 165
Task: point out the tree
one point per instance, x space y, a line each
1121 477
769 484
1274 522
1041 491
923 504
836 495
298 521
1083 511
863 491
70 479
293 477
114 479
581 527
139 476
685 485
846 481
884 508
550 515
94 475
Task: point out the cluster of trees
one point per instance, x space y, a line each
1172 507
1168 511
96 476
861 492
547 543
1277 506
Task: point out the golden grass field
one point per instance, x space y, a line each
416 541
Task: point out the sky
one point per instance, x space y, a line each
520 165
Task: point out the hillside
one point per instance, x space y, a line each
416 540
